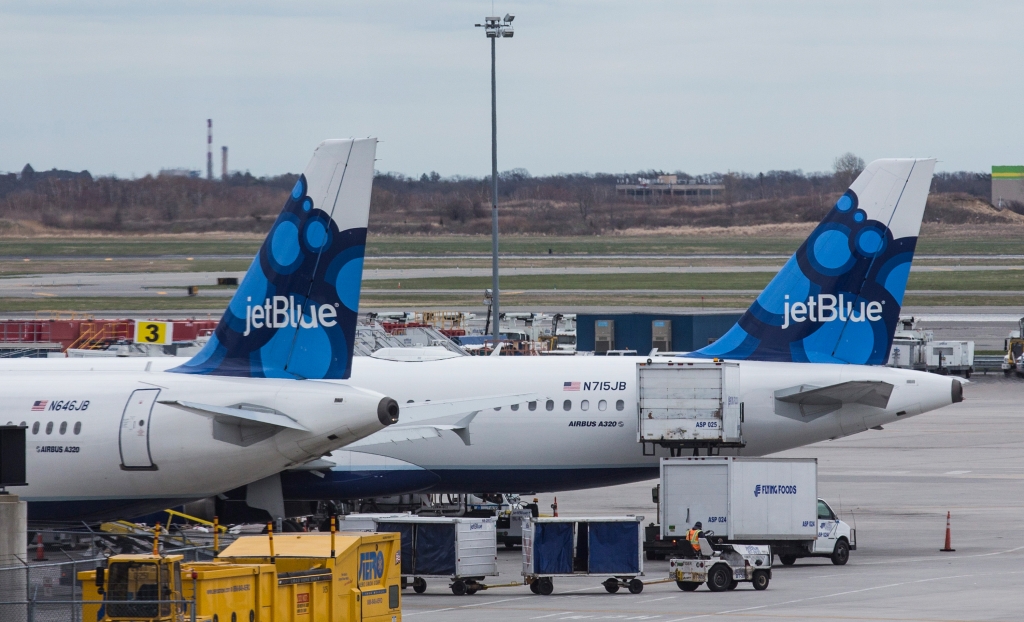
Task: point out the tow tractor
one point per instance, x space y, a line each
724 568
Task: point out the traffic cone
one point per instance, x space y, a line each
39 548
948 548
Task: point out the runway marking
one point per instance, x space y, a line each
955 472
657 599
491 602
561 613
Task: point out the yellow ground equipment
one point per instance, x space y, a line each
284 578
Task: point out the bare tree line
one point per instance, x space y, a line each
564 204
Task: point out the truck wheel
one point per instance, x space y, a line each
419 585
459 588
841 554
636 586
719 578
760 580
732 586
787 560
688 586
611 586
546 587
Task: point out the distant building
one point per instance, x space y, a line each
669 186
179 172
1007 185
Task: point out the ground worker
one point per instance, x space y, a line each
693 537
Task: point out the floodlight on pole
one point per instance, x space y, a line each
495 27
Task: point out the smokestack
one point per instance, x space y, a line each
224 163
209 149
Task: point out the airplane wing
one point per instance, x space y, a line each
238 415
806 402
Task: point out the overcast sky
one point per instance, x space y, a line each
699 86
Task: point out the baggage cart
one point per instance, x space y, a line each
583 546
463 550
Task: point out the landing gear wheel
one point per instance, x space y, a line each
732 586
787 560
760 580
719 578
688 586
419 585
459 588
841 554
636 586
535 587
546 587
611 586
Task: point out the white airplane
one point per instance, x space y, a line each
109 440
808 354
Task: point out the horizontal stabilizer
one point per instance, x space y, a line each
398 434
805 402
419 412
239 415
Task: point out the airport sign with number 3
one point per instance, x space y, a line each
153 332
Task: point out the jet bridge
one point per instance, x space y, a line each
684 405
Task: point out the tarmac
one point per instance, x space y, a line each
894 485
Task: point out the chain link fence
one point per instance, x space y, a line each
51 591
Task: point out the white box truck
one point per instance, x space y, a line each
748 501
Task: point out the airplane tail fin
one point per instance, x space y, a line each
838 299
294 314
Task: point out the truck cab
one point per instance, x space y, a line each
835 540
137 587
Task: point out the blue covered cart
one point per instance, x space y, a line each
583 546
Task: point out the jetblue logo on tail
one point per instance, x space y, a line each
828 308
281 312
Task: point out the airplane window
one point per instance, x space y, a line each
408 402
550 405
567 404
10 423
497 408
619 405
78 427
63 427
585 405
515 406
35 428
23 424
602 405
532 405
49 427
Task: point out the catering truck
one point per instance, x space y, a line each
771 501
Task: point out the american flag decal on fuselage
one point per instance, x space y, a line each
39 405
571 386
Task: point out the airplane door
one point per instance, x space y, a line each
134 436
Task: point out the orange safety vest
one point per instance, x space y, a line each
692 538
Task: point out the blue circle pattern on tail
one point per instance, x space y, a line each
294 314
852 266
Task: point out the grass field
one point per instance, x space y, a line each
991 241
988 280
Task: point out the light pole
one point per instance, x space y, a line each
495 27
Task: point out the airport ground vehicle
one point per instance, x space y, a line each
287 578
1014 346
462 550
758 501
724 568
583 546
